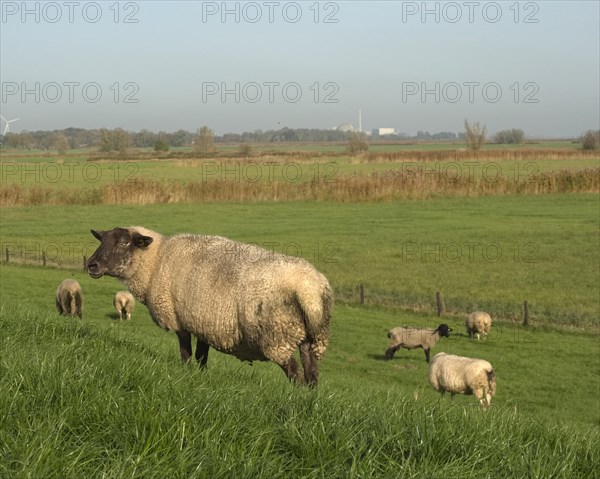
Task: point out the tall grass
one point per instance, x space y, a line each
77 401
377 186
462 155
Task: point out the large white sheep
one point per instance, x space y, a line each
462 375
478 323
413 338
238 298
69 298
124 303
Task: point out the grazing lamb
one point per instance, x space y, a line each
238 298
412 338
124 303
69 298
461 375
478 323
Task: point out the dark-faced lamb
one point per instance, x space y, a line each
240 299
462 375
69 298
124 303
413 338
478 323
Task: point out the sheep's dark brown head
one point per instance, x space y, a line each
115 252
444 330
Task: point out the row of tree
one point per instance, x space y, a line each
475 136
79 137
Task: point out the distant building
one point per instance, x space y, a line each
383 131
376 132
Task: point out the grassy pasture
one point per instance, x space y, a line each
103 398
490 253
100 397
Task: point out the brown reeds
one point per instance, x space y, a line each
380 186
483 155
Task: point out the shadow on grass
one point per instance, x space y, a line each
377 357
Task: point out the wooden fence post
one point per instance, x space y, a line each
440 303
361 289
525 314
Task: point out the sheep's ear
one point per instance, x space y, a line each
97 234
141 241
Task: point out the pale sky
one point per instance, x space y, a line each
243 66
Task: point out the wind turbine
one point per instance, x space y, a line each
8 122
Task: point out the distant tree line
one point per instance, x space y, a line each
119 140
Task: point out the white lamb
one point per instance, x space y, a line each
462 375
124 303
478 323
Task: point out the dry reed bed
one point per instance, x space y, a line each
368 157
483 155
379 186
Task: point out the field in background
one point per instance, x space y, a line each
290 175
310 147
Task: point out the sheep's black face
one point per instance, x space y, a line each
115 252
444 330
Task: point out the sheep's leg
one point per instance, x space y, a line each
479 394
185 345
426 354
389 354
59 307
202 352
79 305
309 364
485 398
68 304
66 307
291 370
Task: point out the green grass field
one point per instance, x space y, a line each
103 398
491 253
100 397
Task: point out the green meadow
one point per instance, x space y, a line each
103 398
490 253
